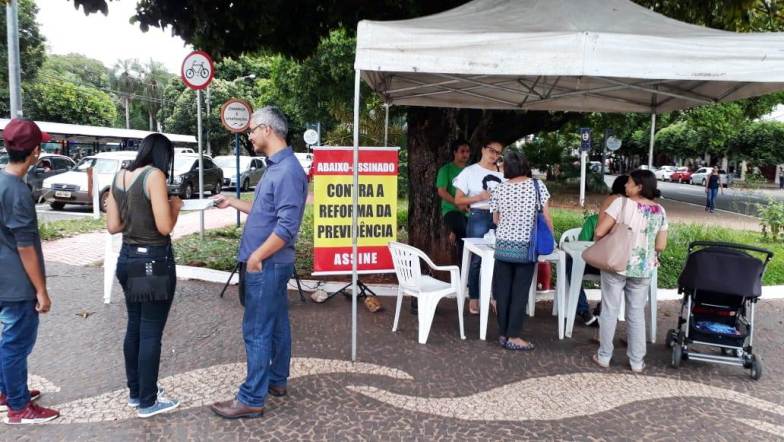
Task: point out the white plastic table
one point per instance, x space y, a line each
481 248
575 250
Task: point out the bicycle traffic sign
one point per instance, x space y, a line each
197 70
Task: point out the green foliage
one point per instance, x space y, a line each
217 251
32 50
772 219
549 149
66 102
76 68
760 141
680 235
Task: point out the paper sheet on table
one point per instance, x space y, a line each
191 205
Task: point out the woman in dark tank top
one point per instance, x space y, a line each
139 207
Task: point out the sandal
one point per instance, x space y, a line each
517 347
596 361
502 341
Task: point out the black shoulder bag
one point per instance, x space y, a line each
148 277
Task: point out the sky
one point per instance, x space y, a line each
107 38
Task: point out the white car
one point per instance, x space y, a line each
663 173
71 187
702 174
305 160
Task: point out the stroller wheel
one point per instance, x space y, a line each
756 368
677 355
672 335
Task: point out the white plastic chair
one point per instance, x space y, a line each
572 235
426 289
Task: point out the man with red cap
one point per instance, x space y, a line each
23 294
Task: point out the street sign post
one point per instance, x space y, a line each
585 146
197 72
235 117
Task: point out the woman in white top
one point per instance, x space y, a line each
648 221
515 204
472 188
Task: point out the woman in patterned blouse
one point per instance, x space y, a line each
648 222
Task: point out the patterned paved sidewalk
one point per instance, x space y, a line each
89 248
447 389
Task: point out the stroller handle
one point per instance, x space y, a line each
730 245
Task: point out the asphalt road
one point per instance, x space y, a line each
744 202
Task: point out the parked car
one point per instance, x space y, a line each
663 173
305 160
251 170
72 187
681 175
185 181
701 174
47 166
178 150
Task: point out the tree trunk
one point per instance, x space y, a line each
127 112
430 130
152 127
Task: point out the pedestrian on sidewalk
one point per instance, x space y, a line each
647 220
23 294
139 206
266 257
712 187
781 177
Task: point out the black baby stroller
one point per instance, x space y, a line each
720 283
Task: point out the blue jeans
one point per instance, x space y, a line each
479 223
711 199
146 321
266 330
19 331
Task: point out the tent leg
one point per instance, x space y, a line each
653 132
354 209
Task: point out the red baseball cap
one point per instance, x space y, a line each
21 135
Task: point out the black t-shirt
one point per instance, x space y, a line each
18 228
713 182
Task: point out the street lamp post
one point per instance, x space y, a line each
14 69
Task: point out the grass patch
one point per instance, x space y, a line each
218 250
70 227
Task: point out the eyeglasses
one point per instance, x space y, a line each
250 131
495 151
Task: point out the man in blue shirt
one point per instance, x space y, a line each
267 253
23 293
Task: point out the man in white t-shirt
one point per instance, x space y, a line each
473 187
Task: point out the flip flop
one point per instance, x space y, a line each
515 347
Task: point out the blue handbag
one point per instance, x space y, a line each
541 234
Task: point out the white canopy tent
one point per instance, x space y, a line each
566 55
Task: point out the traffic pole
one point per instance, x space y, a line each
14 70
237 154
201 162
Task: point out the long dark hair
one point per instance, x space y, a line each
155 150
619 185
647 180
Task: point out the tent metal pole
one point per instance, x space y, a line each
354 209
650 148
386 124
